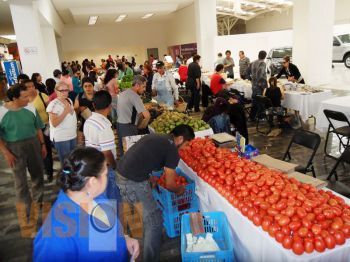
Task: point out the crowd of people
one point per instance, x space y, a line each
80 112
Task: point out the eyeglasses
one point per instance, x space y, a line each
63 90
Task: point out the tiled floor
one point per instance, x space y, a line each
15 248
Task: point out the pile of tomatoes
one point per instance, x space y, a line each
297 215
179 180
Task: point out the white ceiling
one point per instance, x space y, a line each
77 12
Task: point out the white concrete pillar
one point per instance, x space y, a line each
37 46
312 39
206 31
51 50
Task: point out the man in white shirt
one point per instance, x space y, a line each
99 134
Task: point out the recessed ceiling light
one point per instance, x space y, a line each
93 20
120 18
147 16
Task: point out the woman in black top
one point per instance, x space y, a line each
273 92
37 80
83 105
194 83
291 71
148 73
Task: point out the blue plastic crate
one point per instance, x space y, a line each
172 221
217 224
172 203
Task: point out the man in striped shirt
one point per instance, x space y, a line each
99 134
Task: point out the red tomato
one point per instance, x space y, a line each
302 232
287 242
298 247
307 223
290 211
320 246
329 241
257 220
346 230
301 212
284 220
339 237
309 245
316 229
267 220
279 236
295 225
286 230
273 228
328 213
337 223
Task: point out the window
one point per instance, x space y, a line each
335 42
345 38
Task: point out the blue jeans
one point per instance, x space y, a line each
137 193
112 190
64 148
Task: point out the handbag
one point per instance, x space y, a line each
86 113
182 105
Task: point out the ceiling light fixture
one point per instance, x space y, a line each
93 20
147 16
120 18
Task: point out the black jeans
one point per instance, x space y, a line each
48 161
195 98
206 92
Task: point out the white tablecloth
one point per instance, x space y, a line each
251 243
243 86
341 104
306 103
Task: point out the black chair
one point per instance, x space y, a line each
345 158
340 132
337 186
263 104
306 139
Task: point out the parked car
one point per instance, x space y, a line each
275 58
341 53
341 49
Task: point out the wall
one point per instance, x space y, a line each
280 21
130 39
181 27
251 44
272 21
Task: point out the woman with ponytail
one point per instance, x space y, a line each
83 224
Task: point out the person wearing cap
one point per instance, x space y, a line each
164 87
57 75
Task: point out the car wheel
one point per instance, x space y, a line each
347 61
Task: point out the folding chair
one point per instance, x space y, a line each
345 157
306 139
340 132
262 103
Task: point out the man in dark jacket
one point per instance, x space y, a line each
291 71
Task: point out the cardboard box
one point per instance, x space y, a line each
308 180
274 163
129 141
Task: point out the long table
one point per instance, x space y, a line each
251 243
307 104
341 104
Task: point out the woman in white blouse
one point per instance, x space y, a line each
164 87
63 121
